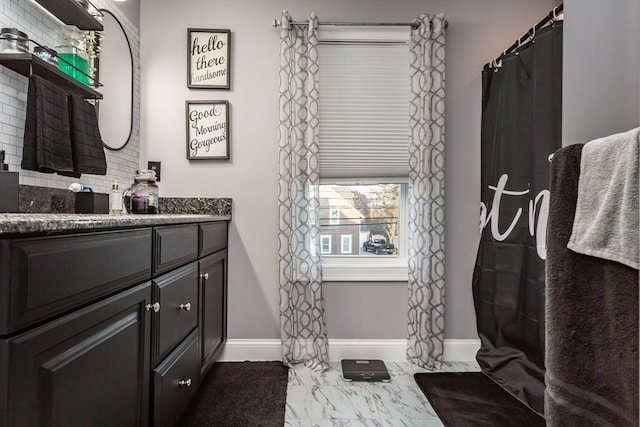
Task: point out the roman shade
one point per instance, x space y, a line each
364 103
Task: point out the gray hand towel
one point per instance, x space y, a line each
606 221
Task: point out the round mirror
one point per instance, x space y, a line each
115 73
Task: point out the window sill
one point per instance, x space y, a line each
364 269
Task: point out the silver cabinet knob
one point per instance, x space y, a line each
204 276
185 383
185 307
155 307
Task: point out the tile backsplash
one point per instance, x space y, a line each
53 200
29 17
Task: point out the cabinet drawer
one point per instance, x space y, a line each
177 294
213 237
173 246
175 382
50 275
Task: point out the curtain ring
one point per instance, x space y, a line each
518 45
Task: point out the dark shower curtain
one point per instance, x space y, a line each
521 128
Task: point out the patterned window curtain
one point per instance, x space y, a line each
425 344
302 324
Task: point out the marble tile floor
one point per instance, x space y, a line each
327 400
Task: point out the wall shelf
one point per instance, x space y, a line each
27 64
72 13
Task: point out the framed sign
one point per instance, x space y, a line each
208 58
207 130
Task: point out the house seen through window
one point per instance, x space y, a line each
368 219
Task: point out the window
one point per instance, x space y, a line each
372 232
363 138
345 246
334 215
325 244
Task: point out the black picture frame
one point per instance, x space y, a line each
208 58
207 130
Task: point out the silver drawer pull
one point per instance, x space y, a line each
155 307
185 307
204 276
185 383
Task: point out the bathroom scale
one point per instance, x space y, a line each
364 370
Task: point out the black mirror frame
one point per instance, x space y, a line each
97 66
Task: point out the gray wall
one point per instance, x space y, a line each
131 9
601 69
478 32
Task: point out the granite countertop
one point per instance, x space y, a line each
47 223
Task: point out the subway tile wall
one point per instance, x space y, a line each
29 17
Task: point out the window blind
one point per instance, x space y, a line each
364 109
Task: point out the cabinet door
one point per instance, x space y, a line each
213 303
90 368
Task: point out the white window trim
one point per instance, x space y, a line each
367 269
364 33
322 239
374 268
344 237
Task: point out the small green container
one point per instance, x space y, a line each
72 60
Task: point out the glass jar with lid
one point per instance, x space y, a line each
13 40
144 193
46 54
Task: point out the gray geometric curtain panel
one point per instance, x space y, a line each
425 345
302 324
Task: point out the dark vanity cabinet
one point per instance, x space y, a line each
110 328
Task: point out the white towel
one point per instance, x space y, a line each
606 221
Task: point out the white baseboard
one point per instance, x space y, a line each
392 350
460 350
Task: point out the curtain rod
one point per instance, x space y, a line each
552 16
413 25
